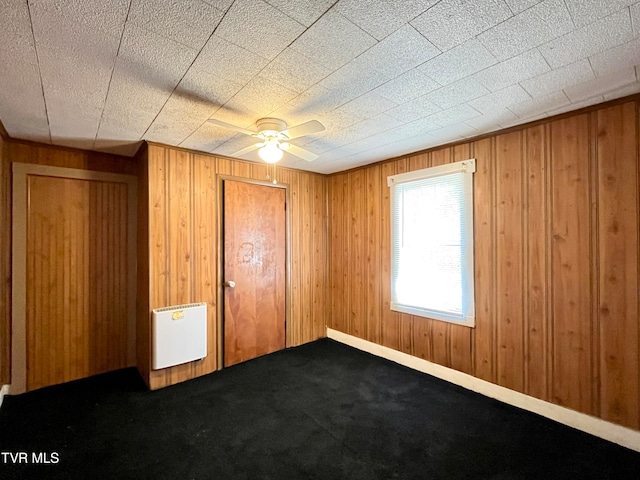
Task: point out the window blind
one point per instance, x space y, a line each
432 242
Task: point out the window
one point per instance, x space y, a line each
432 242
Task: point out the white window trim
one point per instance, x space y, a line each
465 166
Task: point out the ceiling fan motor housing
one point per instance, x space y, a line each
268 125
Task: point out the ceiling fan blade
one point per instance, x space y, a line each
220 123
306 128
302 153
246 150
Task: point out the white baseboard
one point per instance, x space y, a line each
3 391
595 426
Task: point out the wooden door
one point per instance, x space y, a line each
255 260
75 271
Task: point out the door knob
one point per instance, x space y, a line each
230 284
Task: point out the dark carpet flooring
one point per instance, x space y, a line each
319 411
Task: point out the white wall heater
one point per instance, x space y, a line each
179 334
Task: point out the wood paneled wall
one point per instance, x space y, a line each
5 269
28 152
556 210
77 278
182 232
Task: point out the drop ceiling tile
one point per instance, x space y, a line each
635 18
294 71
535 26
333 41
234 63
16 36
401 51
558 79
205 88
380 19
500 99
221 5
460 113
367 105
517 69
452 133
457 63
414 109
631 89
538 105
407 86
352 80
585 12
303 11
260 96
258 27
596 37
181 115
577 105
207 137
518 6
492 121
152 59
107 16
189 23
451 22
622 56
457 93
601 85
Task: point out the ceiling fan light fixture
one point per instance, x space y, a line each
270 153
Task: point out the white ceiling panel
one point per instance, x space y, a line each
596 37
228 61
258 27
558 79
414 109
451 22
500 100
518 6
469 58
585 12
617 58
303 11
539 24
381 18
384 77
401 51
333 41
189 23
602 85
294 71
531 108
407 86
457 93
526 65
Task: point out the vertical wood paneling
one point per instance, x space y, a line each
390 319
484 260
373 240
5 269
65 340
617 182
204 250
509 242
556 236
182 207
536 365
571 252
356 257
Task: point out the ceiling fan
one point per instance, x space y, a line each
274 138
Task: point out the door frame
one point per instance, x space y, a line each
20 205
221 178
